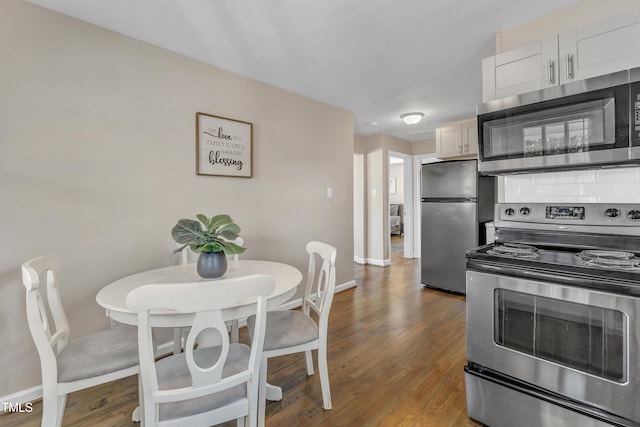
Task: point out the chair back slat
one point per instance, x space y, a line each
321 283
42 312
186 254
57 311
240 242
49 339
203 375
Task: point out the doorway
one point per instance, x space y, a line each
400 205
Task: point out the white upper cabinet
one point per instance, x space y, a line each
600 48
525 69
449 141
470 137
459 139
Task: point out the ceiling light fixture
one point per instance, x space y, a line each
412 118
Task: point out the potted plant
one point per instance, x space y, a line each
212 238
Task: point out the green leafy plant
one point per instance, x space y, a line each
215 234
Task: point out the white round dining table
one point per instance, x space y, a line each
113 297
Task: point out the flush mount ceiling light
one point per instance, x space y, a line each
411 118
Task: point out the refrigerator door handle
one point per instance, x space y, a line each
450 200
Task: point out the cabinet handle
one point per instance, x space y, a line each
460 149
551 72
569 66
466 148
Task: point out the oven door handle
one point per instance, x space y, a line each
570 278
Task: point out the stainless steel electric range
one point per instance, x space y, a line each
553 317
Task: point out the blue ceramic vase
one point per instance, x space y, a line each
212 264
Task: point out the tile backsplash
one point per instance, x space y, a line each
619 185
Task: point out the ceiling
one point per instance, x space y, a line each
376 58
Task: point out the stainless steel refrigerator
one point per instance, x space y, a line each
456 202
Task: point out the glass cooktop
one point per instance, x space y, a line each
622 264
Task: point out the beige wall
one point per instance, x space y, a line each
97 163
574 16
397 171
427 146
360 224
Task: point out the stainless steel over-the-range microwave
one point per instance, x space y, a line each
589 123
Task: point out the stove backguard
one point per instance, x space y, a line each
578 226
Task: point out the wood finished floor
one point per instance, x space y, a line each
396 353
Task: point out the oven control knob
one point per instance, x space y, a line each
509 212
525 211
612 213
634 215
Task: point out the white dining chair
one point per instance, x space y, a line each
69 366
294 331
178 333
234 328
205 385
240 242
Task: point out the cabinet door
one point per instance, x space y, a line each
470 137
449 141
524 69
601 48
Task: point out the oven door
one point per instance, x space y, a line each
577 342
581 124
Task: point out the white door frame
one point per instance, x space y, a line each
408 209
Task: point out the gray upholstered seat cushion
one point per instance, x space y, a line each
173 373
99 353
286 329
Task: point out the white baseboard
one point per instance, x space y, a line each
347 285
372 261
35 393
379 262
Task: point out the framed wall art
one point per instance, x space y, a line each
392 185
223 146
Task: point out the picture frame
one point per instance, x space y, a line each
392 186
224 147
